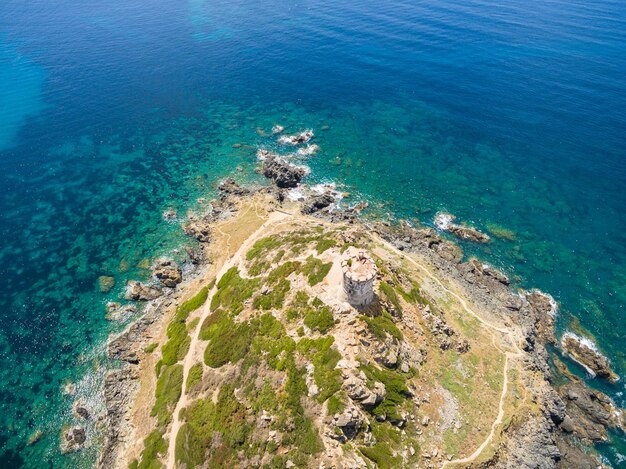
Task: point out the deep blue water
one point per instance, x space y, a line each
508 113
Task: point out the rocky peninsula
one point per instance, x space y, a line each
257 358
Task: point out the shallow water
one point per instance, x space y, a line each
509 115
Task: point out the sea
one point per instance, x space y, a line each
509 114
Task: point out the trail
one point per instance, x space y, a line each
234 260
507 355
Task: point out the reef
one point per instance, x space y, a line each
584 351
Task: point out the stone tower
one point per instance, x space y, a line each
359 271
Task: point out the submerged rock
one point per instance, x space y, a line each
445 222
167 272
284 174
277 129
105 283
584 351
138 291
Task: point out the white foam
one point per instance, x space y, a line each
308 150
444 220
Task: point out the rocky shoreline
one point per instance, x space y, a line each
571 413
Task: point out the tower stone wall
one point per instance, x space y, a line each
359 271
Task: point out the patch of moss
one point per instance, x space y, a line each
168 391
382 325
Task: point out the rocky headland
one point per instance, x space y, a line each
254 357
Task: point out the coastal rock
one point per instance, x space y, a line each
298 139
229 187
356 388
284 174
73 439
169 215
167 272
346 426
308 150
106 283
80 410
198 228
445 222
584 351
116 311
317 203
138 291
277 129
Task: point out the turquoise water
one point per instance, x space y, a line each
511 114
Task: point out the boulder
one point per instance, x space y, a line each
584 352
229 187
298 139
116 311
199 229
317 203
346 426
282 173
138 291
73 439
167 272
445 222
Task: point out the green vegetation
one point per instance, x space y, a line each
315 270
228 341
151 348
168 390
195 377
274 298
319 318
193 324
382 325
232 291
178 341
395 385
153 446
381 455
325 359
391 295
335 405
324 244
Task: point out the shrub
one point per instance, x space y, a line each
315 270
382 325
319 319
395 386
391 296
232 291
324 244
381 455
168 390
230 343
151 348
153 446
275 298
194 377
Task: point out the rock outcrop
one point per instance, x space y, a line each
445 222
298 139
584 352
167 272
116 311
229 187
199 228
285 175
317 203
73 439
138 291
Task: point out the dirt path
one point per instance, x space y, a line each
510 332
235 259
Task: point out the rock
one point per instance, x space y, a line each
35 437
346 425
289 464
298 139
318 203
584 351
73 440
116 311
167 272
80 410
69 389
425 421
284 174
230 187
358 208
263 154
199 229
105 283
169 215
444 221
277 129
308 150
138 291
